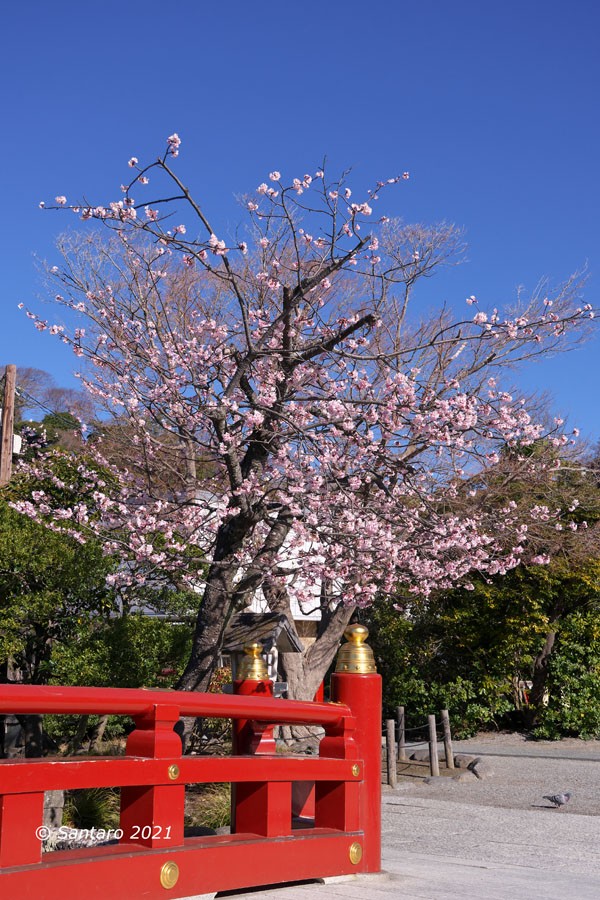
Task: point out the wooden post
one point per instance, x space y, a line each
447 739
434 765
401 733
8 424
390 745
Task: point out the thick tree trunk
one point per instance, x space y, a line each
540 679
305 671
226 593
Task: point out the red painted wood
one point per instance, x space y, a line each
27 698
363 694
255 738
205 865
264 808
19 775
346 775
154 814
20 815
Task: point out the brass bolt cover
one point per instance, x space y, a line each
253 667
356 770
173 772
355 853
169 875
356 656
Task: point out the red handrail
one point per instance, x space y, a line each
43 699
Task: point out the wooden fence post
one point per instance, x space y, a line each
401 733
434 765
390 744
447 739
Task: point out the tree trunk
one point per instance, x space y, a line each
540 679
213 618
33 734
305 671
76 742
97 733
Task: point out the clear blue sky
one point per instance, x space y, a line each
492 107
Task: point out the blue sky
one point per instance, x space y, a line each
493 108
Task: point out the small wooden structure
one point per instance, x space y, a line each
272 630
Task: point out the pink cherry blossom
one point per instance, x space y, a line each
331 447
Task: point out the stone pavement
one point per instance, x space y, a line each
495 854
487 838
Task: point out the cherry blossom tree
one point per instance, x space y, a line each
318 429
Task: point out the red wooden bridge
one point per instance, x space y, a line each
153 858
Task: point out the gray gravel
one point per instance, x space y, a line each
518 775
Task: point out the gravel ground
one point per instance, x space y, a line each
520 772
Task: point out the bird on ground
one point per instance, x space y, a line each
558 799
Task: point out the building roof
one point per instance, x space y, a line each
269 629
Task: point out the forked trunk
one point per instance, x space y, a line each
540 679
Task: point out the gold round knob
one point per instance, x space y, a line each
355 853
356 770
173 772
169 875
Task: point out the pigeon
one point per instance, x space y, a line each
558 799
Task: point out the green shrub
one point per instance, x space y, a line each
574 680
209 806
92 808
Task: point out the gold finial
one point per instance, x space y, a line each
253 667
356 656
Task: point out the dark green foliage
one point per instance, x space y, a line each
48 583
468 651
574 680
132 651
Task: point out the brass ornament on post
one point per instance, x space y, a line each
355 853
169 875
253 667
356 656
173 772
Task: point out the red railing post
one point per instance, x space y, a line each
20 817
357 684
153 815
259 807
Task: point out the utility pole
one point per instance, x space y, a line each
8 423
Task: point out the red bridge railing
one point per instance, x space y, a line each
153 858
